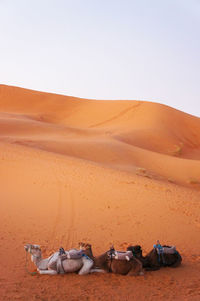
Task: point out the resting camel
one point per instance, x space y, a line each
153 261
105 262
56 263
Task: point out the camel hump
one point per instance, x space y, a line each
123 255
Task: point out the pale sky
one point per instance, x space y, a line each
106 49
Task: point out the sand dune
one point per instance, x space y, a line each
103 172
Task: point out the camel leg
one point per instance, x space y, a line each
47 272
87 265
133 272
137 269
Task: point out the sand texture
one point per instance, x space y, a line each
103 172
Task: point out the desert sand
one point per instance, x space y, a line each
103 172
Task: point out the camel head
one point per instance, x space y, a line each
136 250
33 250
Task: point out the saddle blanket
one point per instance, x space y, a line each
169 250
123 255
72 254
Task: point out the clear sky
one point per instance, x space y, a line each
104 49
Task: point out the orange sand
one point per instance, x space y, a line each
104 172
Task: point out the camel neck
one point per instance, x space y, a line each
36 260
89 253
100 260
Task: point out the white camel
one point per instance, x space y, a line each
58 264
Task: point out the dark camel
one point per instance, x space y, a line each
152 261
105 262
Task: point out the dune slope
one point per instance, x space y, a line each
104 172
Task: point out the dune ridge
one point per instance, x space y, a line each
119 134
105 172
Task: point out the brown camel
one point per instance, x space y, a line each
154 261
105 262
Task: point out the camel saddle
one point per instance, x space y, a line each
123 255
63 255
165 249
71 254
169 250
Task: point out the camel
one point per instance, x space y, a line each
153 261
58 263
107 263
